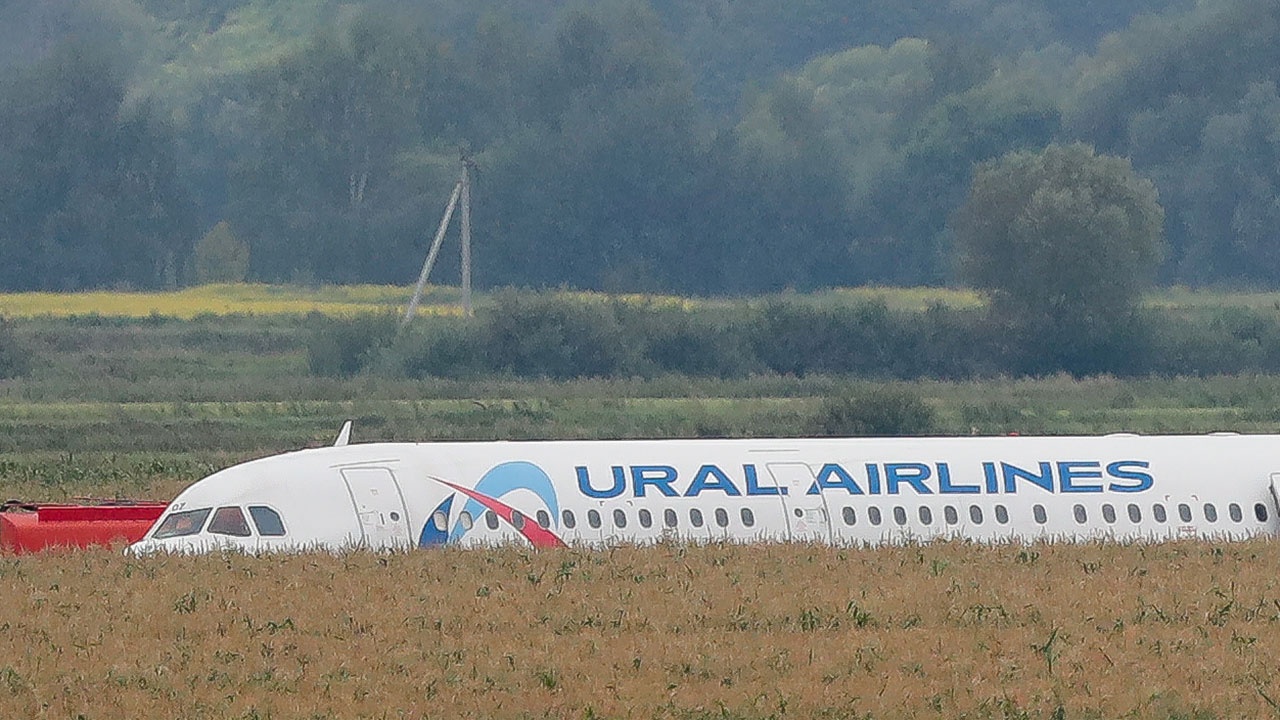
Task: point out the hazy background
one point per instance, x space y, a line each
694 146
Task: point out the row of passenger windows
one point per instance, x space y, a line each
670 518
645 518
951 515
1160 515
874 516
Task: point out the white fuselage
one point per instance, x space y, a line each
856 491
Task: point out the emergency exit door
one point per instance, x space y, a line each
807 517
379 506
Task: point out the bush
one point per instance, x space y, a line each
869 340
695 344
885 411
15 357
342 347
1231 341
953 345
552 336
562 336
793 338
443 347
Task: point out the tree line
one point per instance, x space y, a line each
641 145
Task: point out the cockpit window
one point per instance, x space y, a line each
269 522
181 524
229 521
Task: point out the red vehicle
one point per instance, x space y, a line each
27 527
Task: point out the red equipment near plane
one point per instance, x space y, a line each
28 527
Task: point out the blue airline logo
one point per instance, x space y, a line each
503 479
990 478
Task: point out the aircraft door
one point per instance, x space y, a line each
1275 492
807 517
379 506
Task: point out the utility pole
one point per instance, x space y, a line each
461 191
465 182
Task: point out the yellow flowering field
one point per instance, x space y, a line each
347 300
256 299
229 299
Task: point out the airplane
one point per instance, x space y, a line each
854 491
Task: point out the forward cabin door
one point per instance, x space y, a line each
379 506
807 517
1275 492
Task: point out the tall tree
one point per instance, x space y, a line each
321 196
1185 94
889 138
589 189
89 195
1064 241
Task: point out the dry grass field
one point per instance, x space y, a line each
938 631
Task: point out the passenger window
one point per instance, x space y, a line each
464 519
1157 512
748 517
950 514
181 524
975 514
544 519
669 518
722 517
1002 515
439 520
900 515
926 515
229 521
873 513
1184 512
619 518
849 516
1210 512
517 519
491 519
1235 512
1108 512
1260 512
568 519
1037 511
270 525
646 519
695 517
1082 516
1135 513
593 519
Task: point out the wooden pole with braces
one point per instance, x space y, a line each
461 191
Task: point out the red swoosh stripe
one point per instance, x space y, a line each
539 536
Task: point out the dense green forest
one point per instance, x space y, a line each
702 147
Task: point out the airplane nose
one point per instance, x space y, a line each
140 549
